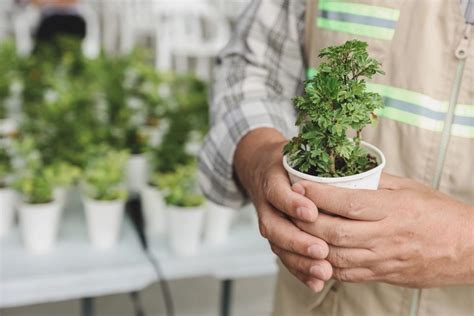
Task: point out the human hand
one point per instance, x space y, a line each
258 165
405 233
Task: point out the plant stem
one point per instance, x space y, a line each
332 159
358 137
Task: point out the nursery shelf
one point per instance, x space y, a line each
73 269
244 254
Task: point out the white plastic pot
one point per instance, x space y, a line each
185 228
137 173
7 210
366 180
218 221
39 226
154 210
104 221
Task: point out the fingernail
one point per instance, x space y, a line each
298 188
315 270
306 214
315 251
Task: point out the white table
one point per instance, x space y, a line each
74 269
244 254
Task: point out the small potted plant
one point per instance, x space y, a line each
163 160
335 103
185 210
105 196
7 195
39 213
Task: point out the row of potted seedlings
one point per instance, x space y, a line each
171 201
39 193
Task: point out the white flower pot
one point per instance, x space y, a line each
366 180
185 228
39 226
137 173
218 221
104 221
7 210
153 208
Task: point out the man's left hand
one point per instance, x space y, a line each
405 233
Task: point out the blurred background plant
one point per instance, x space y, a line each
180 186
33 180
5 165
104 174
71 104
10 65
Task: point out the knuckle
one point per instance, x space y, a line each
354 206
291 245
343 275
275 249
267 187
336 258
263 227
339 235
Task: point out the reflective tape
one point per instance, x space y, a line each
423 111
356 29
358 19
415 102
359 9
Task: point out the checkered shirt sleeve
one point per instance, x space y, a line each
256 76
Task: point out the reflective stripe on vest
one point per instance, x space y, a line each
360 19
420 110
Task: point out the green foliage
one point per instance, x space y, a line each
187 116
335 102
64 174
5 164
104 174
33 180
180 187
72 105
59 98
130 90
9 73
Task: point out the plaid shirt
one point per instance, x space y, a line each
257 74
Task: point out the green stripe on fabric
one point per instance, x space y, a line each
462 131
360 9
419 99
424 122
408 96
464 110
356 29
411 119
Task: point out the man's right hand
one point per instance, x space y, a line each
258 165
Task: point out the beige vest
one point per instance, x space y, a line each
427 52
